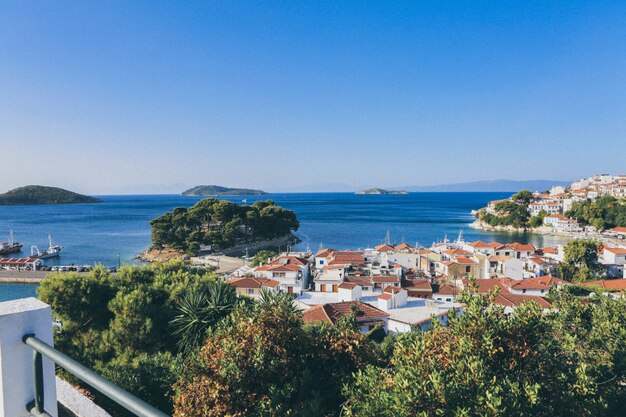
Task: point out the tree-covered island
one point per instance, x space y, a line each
39 194
221 224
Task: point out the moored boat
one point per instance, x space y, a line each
11 246
52 251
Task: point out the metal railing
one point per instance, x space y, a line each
106 387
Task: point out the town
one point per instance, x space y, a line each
401 288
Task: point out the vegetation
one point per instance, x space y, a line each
37 194
221 224
604 213
262 257
121 325
570 362
580 261
216 190
263 361
177 338
512 212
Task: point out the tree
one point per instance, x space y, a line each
580 261
199 310
569 362
261 257
263 361
524 197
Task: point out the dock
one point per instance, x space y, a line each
23 277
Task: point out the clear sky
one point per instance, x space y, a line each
132 96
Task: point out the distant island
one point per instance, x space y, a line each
38 195
216 190
380 191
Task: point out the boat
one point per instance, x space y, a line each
11 246
52 251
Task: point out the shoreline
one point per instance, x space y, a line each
151 255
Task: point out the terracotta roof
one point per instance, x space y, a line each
446 289
384 248
251 282
553 251
609 284
362 281
537 260
332 312
529 284
487 284
419 284
522 247
393 290
618 230
347 285
278 267
289 260
498 258
465 260
617 251
324 253
385 278
385 296
403 246
549 280
456 252
507 299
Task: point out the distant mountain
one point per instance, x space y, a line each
216 190
379 191
487 186
38 194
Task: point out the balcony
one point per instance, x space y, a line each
28 361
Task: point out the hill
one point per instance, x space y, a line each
380 191
38 194
216 190
490 186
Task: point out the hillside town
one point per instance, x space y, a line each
401 287
552 206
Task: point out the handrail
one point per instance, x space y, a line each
106 387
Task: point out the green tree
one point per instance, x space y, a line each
261 257
569 362
524 197
580 261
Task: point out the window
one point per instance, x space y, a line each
448 299
250 290
278 275
321 262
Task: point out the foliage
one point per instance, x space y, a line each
112 322
263 361
537 221
509 212
199 310
261 257
570 362
604 213
580 261
221 224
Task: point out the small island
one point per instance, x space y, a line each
380 191
214 225
216 191
39 195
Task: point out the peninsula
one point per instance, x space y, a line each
380 191
38 195
216 190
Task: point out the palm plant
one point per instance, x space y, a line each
199 310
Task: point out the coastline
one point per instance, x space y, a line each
543 230
164 255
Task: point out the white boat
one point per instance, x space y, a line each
52 251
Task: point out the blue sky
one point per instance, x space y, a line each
130 96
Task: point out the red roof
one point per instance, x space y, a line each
17 261
446 289
385 278
251 282
278 267
508 299
619 230
403 246
609 284
617 251
347 285
332 312
384 248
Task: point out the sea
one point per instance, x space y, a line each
116 231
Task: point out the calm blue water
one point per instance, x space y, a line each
118 229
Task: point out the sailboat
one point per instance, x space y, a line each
52 251
11 246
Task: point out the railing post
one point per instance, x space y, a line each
18 363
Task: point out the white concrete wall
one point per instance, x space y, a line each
18 318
